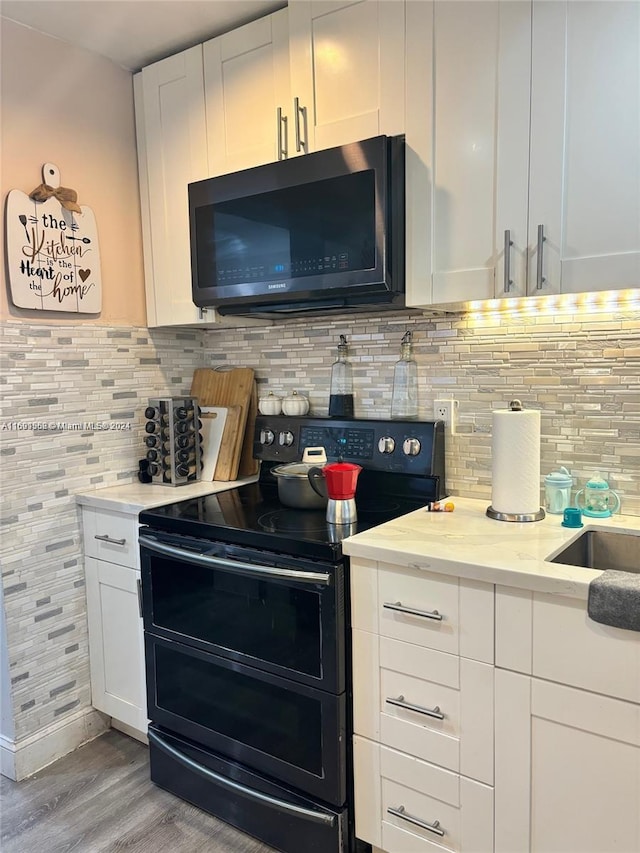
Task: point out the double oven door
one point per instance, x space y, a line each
245 657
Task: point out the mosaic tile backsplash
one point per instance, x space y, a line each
582 371
66 378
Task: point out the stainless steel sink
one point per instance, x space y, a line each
602 549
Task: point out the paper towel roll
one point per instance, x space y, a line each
515 461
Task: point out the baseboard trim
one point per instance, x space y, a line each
126 729
19 759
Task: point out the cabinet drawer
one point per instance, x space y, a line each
417 715
570 648
419 607
552 637
429 704
111 536
393 790
459 808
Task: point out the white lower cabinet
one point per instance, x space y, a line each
115 642
567 769
116 639
537 752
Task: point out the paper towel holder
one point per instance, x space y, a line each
515 406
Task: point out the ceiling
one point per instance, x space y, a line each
134 33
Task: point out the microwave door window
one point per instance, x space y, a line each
292 233
248 249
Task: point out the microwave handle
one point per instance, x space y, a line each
233 565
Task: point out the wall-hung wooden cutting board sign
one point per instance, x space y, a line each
53 255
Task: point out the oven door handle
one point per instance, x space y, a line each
272 802
234 565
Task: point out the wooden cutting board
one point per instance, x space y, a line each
230 446
248 465
231 389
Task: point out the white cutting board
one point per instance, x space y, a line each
213 420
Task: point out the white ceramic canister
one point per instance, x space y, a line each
295 404
270 405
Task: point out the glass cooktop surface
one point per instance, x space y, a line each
252 515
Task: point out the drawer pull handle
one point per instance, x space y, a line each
111 541
432 827
426 614
428 712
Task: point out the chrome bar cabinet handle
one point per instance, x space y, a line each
401 813
139 588
540 279
436 713
290 809
508 243
300 112
282 136
426 614
108 539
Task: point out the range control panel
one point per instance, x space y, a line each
404 447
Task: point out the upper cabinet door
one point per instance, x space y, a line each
468 81
246 76
172 147
347 71
585 147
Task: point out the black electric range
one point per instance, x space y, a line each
403 469
247 633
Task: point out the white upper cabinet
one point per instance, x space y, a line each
347 71
468 73
585 146
522 130
246 75
172 151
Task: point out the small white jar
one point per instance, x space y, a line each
270 405
295 405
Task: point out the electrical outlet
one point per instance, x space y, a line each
446 410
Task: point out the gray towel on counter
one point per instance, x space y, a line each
614 599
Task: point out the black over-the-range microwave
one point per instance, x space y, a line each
320 232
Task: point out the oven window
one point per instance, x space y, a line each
264 619
274 720
316 228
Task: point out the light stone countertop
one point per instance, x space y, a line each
135 497
469 544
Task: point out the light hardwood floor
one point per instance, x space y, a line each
99 799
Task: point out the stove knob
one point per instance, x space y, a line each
285 439
411 446
266 436
386 444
